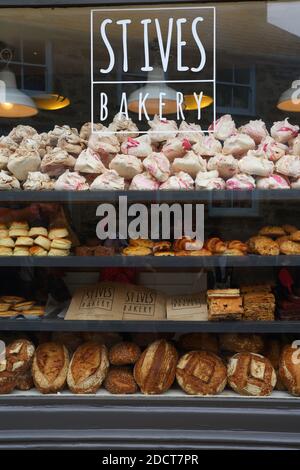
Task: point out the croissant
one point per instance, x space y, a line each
220 248
187 243
238 245
211 242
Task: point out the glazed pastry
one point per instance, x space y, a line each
192 132
208 146
162 129
138 147
8 181
123 127
23 161
56 162
254 164
158 166
226 165
256 130
127 166
37 181
238 145
283 131
89 162
241 181
176 148
289 165
144 181
179 182
109 180
71 181
272 149
209 181
223 128
273 182
190 163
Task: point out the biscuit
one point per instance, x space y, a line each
19 225
18 232
56 252
37 251
36 231
21 251
61 243
8 242
59 232
24 241
43 242
3 233
4 251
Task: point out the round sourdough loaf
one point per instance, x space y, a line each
120 380
25 381
88 368
154 372
251 374
236 342
289 369
201 373
199 341
50 367
19 355
8 380
124 353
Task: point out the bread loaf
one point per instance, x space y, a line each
289 369
236 342
88 368
154 372
124 353
120 380
19 355
50 367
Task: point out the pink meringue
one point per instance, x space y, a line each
223 127
209 180
109 180
226 165
240 182
176 148
192 132
71 181
126 166
295 146
283 131
289 165
190 163
56 161
106 144
273 150
144 182
208 146
179 182
273 182
89 162
158 166
256 130
256 165
238 144
162 129
123 127
138 147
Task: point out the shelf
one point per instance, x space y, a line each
149 262
54 324
150 196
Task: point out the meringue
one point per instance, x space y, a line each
255 163
19 132
56 161
138 147
176 148
179 182
283 131
256 130
192 132
123 127
272 182
158 166
190 163
37 181
240 182
8 181
71 181
289 165
223 127
72 143
23 161
8 143
110 180
144 181
57 132
4 156
295 146
238 145
86 130
226 165
209 180
273 150
89 162
208 146
296 184
126 166
162 129
106 144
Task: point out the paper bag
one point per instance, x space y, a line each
187 307
141 303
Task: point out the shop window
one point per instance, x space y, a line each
236 91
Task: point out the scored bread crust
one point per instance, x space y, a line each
88 368
124 353
289 369
50 367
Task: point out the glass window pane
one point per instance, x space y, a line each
224 96
242 76
225 75
34 51
241 97
34 78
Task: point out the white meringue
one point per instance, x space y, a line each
162 129
138 147
226 165
255 163
144 182
256 130
8 143
209 180
56 161
123 127
283 131
158 166
208 146
289 165
110 180
295 146
4 156
37 181
126 166
86 130
176 148
57 132
179 182
240 182
106 144
272 182
296 184
19 132
8 181
238 144
273 150
89 162
23 161
190 163
223 127
72 143
192 132
71 181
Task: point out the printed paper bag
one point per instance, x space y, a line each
141 303
187 307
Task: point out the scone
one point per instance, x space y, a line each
88 368
61 243
18 232
58 232
7 242
24 241
36 231
57 252
37 251
50 367
21 251
43 242
4 251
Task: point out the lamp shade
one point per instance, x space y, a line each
154 90
51 101
289 100
191 104
14 103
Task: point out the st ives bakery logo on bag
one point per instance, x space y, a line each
140 302
101 297
143 58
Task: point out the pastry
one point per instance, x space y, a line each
222 306
235 342
22 225
120 380
273 182
21 251
56 162
38 231
190 164
22 161
164 246
58 252
188 244
50 367
58 232
256 130
272 231
43 242
283 131
8 242
24 241
155 369
57 132
141 242
237 245
255 288
176 148
289 248
71 181
87 128
199 342
201 373
4 307
289 228
37 181
125 353
289 165
19 355
144 182
202 252
164 253
272 149
88 368
223 127
284 238
264 246
21 306
256 164
295 236
84 251
289 369
18 133
4 251
162 129
127 166
179 182
136 251
12 299
37 251
215 245
105 143
238 145
71 142
226 165
259 306
109 180
209 180
89 162
18 232
3 233
158 166
61 243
